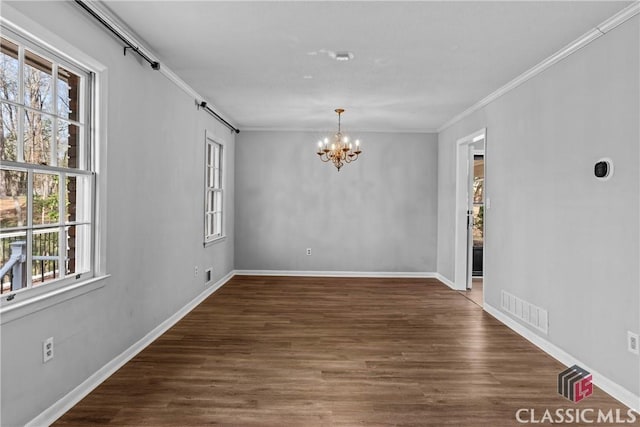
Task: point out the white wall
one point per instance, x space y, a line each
377 214
155 185
555 236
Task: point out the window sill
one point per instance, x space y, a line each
214 241
30 304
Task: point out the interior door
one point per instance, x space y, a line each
470 222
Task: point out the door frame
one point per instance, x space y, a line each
464 163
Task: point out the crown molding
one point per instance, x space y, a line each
620 17
327 130
596 32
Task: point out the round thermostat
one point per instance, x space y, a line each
603 169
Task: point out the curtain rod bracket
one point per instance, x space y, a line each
128 44
203 105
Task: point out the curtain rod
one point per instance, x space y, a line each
154 64
129 45
204 105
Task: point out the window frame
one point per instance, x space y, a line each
212 141
15 28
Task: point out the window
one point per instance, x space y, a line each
46 176
213 191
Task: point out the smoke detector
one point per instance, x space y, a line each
342 56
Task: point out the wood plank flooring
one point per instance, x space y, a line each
289 351
475 293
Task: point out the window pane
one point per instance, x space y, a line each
13 198
45 198
216 156
210 228
78 241
210 177
68 144
78 201
45 256
9 133
218 223
68 94
37 82
37 138
13 243
211 201
9 67
218 202
216 175
209 155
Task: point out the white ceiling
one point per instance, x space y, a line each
265 65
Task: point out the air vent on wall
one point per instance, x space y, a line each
525 311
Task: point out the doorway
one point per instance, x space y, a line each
470 213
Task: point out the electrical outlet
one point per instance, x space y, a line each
195 271
632 343
47 350
308 251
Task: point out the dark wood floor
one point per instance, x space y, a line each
274 351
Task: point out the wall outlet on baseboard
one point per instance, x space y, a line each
308 251
195 271
632 343
47 350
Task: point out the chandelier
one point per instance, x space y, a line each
337 148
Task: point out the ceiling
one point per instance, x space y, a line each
268 64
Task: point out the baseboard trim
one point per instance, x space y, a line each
59 408
446 281
608 386
373 274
